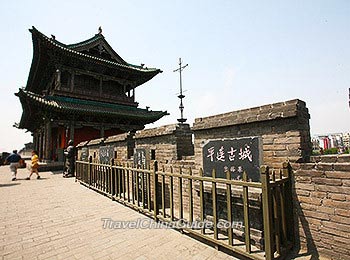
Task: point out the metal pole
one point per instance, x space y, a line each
181 96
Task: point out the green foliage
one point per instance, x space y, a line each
316 152
331 151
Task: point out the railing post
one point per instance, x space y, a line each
267 214
122 182
288 201
181 211
110 179
215 213
171 195
155 193
229 208
246 214
201 200
190 197
163 192
127 185
89 170
77 171
148 180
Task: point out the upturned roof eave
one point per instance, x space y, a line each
71 51
92 108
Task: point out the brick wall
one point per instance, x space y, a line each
94 146
283 127
169 142
321 185
123 146
322 204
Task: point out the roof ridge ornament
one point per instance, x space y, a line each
100 30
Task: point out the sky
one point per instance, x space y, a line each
240 54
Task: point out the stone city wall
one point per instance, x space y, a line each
322 205
167 143
321 186
283 127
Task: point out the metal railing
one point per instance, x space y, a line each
178 197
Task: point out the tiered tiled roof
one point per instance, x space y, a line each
69 105
45 49
42 100
73 49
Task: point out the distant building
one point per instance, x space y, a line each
346 139
327 141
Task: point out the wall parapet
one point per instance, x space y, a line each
118 138
283 128
160 131
291 108
322 204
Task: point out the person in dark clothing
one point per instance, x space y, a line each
13 159
70 160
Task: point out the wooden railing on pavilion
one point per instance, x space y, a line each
135 188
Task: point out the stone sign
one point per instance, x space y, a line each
84 155
140 158
235 156
106 153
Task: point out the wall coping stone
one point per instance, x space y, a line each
117 138
81 144
160 131
332 158
269 112
95 141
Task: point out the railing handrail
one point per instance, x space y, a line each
113 180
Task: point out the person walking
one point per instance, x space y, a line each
34 166
13 159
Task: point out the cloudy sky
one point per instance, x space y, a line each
241 54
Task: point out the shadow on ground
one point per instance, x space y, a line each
9 184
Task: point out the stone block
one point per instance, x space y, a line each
318 194
342 212
304 193
317 215
334 189
346 182
326 210
338 174
302 179
327 181
325 166
340 229
305 186
342 220
310 173
342 167
337 196
309 200
336 204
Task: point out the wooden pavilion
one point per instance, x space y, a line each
80 91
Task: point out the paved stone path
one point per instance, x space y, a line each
56 218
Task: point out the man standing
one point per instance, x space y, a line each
13 159
70 160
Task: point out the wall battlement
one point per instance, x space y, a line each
321 183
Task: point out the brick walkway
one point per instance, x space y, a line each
56 218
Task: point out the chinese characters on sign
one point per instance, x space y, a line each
84 156
140 160
106 153
233 155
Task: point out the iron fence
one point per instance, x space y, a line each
178 197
